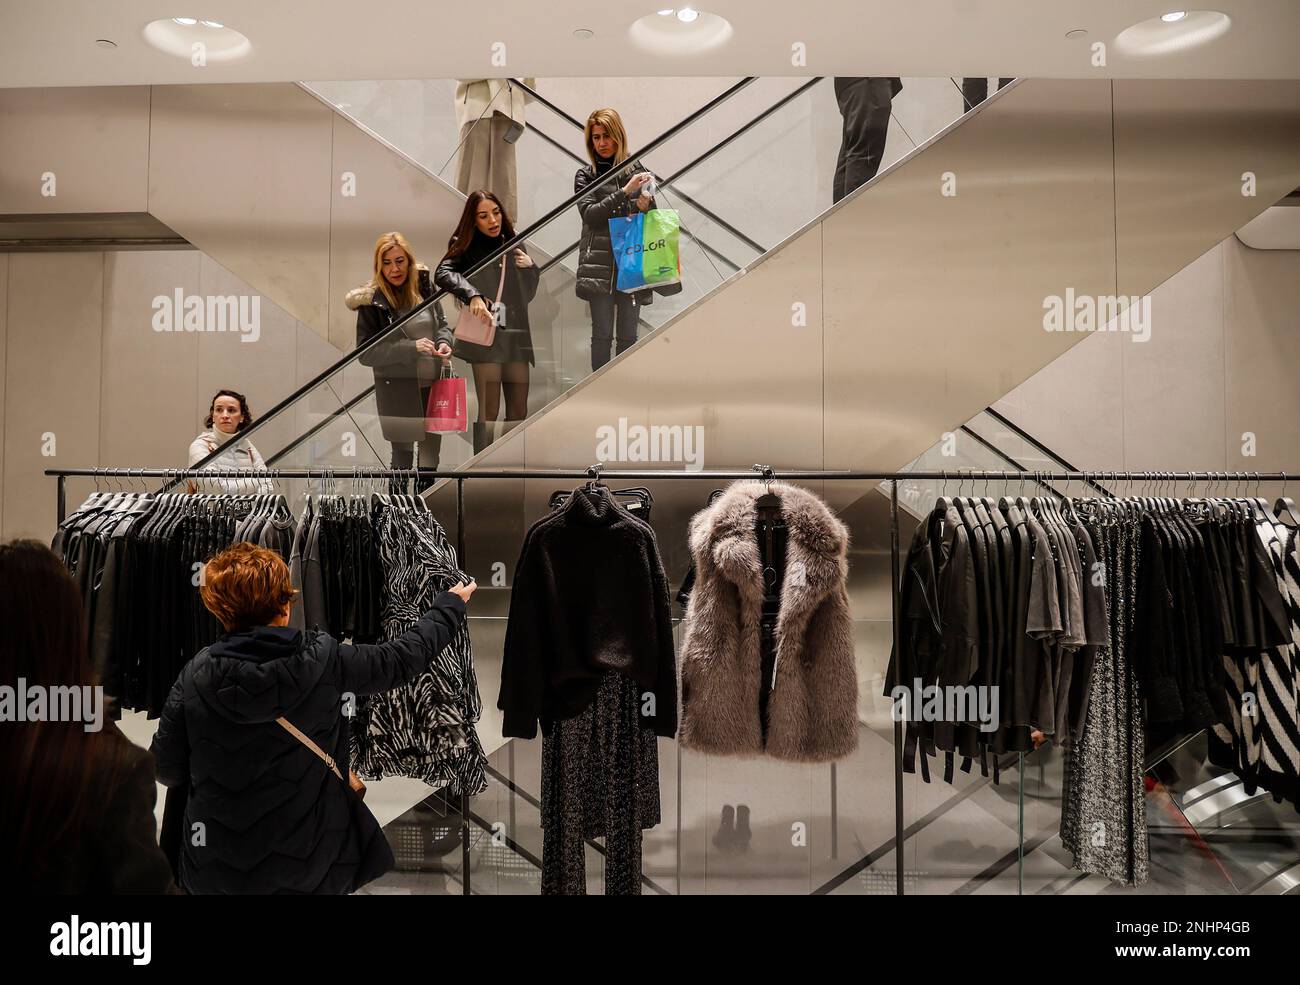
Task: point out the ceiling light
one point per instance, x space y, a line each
584 34
667 12
688 35
1162 36
106 43
1077 32
178 35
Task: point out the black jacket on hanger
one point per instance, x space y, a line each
589 596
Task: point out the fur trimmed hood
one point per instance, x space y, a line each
812 706
365 294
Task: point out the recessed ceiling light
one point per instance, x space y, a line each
1173 33
178 36
1078 32
691 33
582 34
667 12
105 43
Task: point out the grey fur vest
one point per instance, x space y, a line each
812 714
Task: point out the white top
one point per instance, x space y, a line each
236 453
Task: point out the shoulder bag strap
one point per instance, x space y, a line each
301 737
501 284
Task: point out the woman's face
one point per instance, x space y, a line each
394 265
226 415
488 218
602 142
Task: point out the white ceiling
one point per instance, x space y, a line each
52 42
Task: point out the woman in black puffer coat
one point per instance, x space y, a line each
611 309
265 813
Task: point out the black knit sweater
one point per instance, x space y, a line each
589 596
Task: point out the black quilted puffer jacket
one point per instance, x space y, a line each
273 818
595 249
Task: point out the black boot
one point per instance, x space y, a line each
743 834
726 836
480 436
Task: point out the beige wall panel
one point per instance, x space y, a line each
1074 405
731 363
262 370
94 140
1181 148
50 389
921 330
243 173
1262 328
1173 400
149 377
391 193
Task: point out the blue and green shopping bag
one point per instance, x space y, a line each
646 249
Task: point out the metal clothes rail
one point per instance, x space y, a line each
1164 480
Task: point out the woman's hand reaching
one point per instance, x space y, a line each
464 590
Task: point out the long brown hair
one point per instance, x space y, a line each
613 124
464 234
410 291
54 774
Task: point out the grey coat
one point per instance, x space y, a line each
812 714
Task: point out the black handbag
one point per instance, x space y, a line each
376 853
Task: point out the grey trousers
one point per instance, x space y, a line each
600 779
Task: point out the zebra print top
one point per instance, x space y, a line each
425 729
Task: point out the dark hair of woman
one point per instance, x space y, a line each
464 234
54 774
243 409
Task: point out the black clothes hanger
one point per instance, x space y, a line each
641 499
1285 509
768 504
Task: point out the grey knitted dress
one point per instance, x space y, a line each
1103 810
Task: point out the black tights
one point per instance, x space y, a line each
490 379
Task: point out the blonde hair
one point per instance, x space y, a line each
613 124
410 291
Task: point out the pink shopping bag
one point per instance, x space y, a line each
448 406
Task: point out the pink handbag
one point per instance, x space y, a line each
471 328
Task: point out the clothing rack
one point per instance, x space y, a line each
1164 481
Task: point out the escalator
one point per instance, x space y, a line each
333 416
